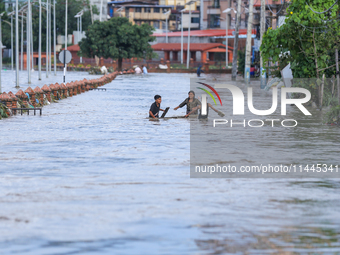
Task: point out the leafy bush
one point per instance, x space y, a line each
333 116
241 61
95 70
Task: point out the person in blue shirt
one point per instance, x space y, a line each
145 71
199 71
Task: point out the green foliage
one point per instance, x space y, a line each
241 61
117 38
333 116
3 113
310 40
6 60
95 70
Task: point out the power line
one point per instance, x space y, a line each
323 11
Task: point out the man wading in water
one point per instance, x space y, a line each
193 104
155 107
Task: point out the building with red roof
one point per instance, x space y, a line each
206 50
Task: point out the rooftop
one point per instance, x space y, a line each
193 46
205 33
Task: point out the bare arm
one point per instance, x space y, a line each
153 116
212 107
181 105
193 110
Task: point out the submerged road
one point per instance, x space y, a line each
92 175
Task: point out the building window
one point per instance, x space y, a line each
147 10
156 24
156 9
138 9
216 4
214 20
195 20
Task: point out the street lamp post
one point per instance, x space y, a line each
188 47
16 43
166 25
248 45
65 67
226 11
32 52
22 42
50 37
79 27
54 41
47 34
1 49
182 35
101 10
11 14
28 39
39 61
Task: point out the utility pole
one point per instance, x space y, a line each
0 50
226 11
201 14
12 40
54 40
182 35
39 61
47 38
188 44
28 35
262 28
22 41
16 43
81 33
32 52
101 10
337 72
237 27
65 66
50 36
248 46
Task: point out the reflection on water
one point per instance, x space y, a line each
94 176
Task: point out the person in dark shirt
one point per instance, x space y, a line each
199 71
155 107
192 103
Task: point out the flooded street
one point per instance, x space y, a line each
93 175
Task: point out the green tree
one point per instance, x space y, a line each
117 38
309 37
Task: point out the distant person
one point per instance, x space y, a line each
155 107
138 70
192 103
145 71
199 71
